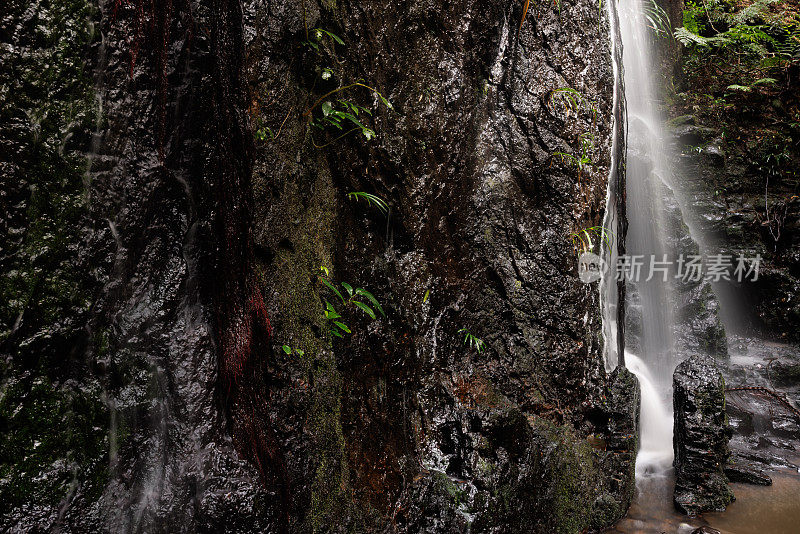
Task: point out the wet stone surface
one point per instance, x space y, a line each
701 437
399 427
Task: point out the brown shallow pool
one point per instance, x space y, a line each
758 509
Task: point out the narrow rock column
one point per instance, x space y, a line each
700 438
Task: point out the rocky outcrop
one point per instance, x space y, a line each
513 438
700 437
168 254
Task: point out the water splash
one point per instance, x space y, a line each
655 450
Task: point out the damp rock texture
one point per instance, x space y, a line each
181 173
402 422
701 438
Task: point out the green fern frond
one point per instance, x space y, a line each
370 199
753 12
657 19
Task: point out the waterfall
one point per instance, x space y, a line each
649 308
655 450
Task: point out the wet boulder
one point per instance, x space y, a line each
701 438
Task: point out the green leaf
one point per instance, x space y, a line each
743 88
342 326
371 199
348 287
764 81
366 308
334 37
371 298
335 332
425 298
332 288
287 349
327 107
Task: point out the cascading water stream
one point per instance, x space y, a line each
655 450
651 324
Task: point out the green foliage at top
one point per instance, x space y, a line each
738 65
762 28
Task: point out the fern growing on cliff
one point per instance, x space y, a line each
371 200
569 100
582 239
472 341
356 298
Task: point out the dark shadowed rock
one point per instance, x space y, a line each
400 427
740 470
701 437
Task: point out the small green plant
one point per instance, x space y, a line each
355 298
582 239
264 134
571 101
370 199
583 160
316 36
749 88
289 350
472 341
343 114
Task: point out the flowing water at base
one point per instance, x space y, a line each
758 509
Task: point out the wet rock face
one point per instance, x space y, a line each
700 438
407 421
397 427
109 407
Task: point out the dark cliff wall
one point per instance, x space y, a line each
403 419
398 426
